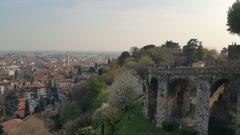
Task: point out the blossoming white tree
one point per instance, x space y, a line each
124 90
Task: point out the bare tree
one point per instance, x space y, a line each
32 126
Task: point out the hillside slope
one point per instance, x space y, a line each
133 123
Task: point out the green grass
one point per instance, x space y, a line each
133 123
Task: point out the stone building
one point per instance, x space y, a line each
207 98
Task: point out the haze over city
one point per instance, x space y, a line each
119 67
111 25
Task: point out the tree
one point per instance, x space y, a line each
130 63
171 44
41 106
109 61
95 86
200 52
164 57
91 70
2 107
11 104
224 55
147 47
134 50
233 18
224 52
1 130
85 131
122 57
78 94
105 115
89 95
72 127
100 71
69 111
143 64
27 109
192 51
32 126
111 74
124 90
213 58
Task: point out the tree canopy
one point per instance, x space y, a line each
171 44
124 90
11 103
233 19
193 51
123 56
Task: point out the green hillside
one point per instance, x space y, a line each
133 123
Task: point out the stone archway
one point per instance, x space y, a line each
182 101
222 104
152 99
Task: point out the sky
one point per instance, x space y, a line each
111 25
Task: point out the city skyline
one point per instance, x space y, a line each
90 25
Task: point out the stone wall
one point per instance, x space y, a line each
238 116
202 110
145 100
161 103
205 76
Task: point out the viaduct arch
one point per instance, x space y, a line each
207 98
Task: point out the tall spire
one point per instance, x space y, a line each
68 59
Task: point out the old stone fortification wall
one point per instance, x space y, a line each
238 116
161 103
202 77
202 112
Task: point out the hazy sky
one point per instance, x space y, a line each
111 24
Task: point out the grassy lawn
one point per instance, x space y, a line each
133 123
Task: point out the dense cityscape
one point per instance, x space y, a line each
33 82
176 70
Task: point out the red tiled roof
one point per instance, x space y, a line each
37 85
58 76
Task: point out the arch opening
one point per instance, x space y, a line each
182 101
222 106
152 99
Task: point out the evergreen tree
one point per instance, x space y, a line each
233 18
41 104
123 56
27 108
11 104
191 51
1 130
171 44
200 52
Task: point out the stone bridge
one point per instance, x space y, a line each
206 98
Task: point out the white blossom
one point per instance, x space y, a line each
124 90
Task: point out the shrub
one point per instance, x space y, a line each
170 125
31 126
188 130
85 131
